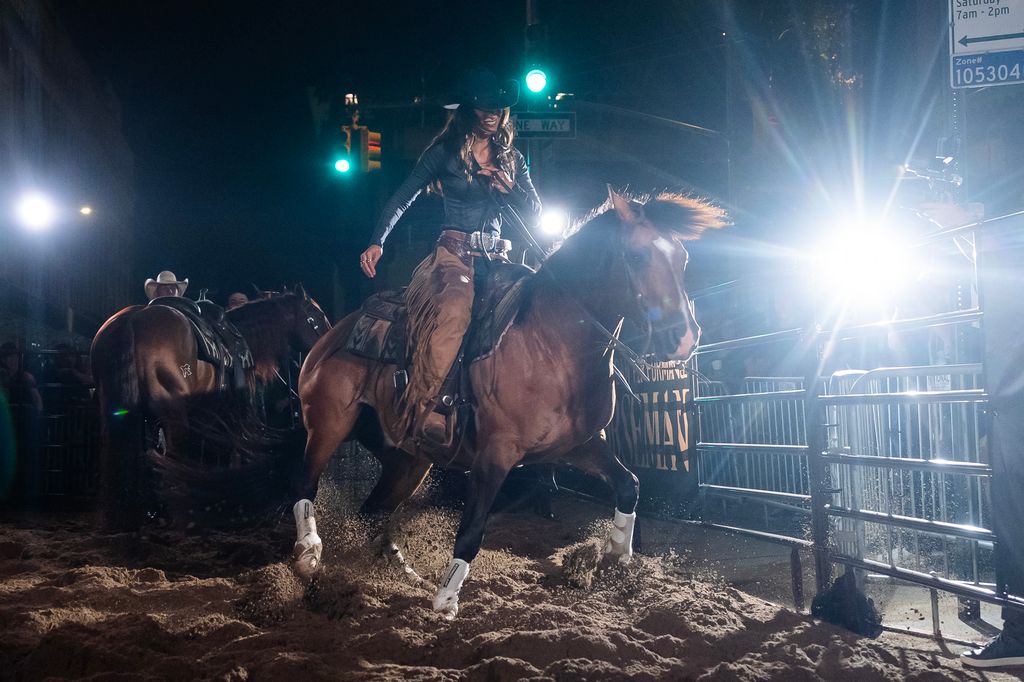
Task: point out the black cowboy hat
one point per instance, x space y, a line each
480 88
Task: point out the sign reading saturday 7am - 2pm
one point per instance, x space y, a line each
986 43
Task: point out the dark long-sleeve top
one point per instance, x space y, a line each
467 206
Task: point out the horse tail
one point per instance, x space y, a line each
126 372
240 469
123 425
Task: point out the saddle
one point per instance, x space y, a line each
381 330
218 342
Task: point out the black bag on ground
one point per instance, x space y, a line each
844 605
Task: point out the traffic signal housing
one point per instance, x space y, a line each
343 162
535 57
362 149
371 159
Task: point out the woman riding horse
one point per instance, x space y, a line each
470 158
544 394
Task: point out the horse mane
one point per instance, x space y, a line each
584 261
672 213
684 216
265 324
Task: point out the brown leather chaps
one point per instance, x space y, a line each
440 302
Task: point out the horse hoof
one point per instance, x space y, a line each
393 555
306 555
447 605
446 601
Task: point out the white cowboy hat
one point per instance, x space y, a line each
165 277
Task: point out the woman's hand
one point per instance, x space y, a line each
368 260
499 179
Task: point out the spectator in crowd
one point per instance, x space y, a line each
69 372
165 284
236 300
18 385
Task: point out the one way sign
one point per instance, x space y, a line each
545 124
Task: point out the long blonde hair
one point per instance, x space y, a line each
457 138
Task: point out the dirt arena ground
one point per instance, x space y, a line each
76 603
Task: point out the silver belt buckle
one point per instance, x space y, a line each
482 242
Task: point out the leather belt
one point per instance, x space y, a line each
466 245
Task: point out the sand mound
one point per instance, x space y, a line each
538 604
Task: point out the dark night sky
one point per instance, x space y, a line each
231 182
215 111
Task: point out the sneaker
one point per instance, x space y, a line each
997 653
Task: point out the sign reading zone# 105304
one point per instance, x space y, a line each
986 43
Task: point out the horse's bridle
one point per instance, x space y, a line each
635 295
311 319
614 342
643 319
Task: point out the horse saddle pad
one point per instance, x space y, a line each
381 330
218 341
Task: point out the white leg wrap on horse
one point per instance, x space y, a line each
620 542
305 521
308 546
447 597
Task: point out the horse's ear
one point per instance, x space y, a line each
285 289
301 291
621 204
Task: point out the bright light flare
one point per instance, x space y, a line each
85 210
864 265
553 222
342 165
35 211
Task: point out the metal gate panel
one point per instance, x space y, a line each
911 490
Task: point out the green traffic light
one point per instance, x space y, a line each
536 80
342 166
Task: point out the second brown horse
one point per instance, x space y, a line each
146 363
544 395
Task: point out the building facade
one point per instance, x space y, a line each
60 137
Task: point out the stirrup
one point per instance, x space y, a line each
434 438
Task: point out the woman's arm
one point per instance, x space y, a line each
524 197
427 169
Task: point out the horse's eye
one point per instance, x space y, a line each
637 258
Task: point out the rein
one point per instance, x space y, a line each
635 359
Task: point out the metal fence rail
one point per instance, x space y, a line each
753 450
889 464
912 461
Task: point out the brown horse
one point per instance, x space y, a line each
544 396
144 359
